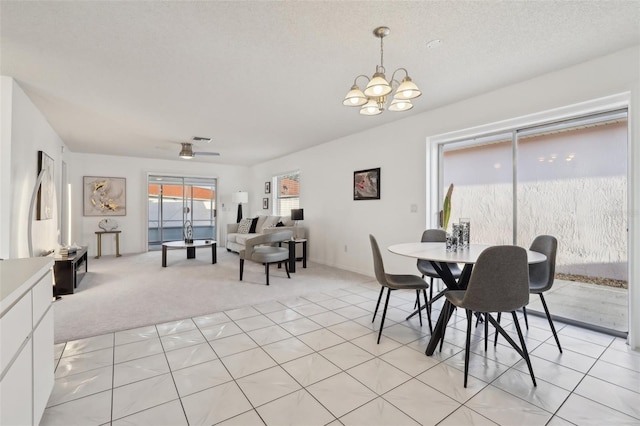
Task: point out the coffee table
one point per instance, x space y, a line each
191 249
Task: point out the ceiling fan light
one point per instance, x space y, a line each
407 90
370 108
354 97
400 105
378 86
186 152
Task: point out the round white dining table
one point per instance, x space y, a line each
439 257
436 252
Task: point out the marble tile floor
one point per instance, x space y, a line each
314 360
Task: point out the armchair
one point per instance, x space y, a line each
258 249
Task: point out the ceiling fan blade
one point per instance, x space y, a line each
206 153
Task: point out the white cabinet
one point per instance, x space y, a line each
26 340
15 391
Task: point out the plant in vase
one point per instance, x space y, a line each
446 209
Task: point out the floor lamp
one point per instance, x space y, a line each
240 197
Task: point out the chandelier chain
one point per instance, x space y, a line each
382 53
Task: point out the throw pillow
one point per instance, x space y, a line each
279 224
254 223
244 226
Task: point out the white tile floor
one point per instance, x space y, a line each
314 360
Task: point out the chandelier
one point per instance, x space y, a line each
374 98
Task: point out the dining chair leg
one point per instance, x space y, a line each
523 346
377 304
467 348
286 268
495 338
526 320
431 289
553 329
428 309
486 331
384 314
418 302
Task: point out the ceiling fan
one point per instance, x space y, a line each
187 151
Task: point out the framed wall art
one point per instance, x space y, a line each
265 203
44 204
366 184
104 196
267 187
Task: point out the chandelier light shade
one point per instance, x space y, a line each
374 98
355 97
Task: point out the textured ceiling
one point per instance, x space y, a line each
264 79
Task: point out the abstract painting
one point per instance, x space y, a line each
104 196
44 207
366 184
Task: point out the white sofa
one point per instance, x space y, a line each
265 224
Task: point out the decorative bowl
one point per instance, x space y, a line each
108 224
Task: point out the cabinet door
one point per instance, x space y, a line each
15 391
42 365
42 296
15 326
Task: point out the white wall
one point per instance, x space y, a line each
6 95
134 224
25 131
334 220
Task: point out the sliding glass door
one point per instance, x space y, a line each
176 201
567 179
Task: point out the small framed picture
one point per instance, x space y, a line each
366 184
267 187
265 203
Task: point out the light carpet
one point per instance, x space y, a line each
119 293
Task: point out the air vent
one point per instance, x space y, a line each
201 139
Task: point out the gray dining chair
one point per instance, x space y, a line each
260 249
542 275
396 282
425 267
541 278
499 282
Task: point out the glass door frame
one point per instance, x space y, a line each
434 173
187 181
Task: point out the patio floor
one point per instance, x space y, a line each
603 306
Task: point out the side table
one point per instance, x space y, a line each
100 233
292 253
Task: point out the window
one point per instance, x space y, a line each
288 193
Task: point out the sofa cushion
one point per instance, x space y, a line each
270 222
242 238
260 224
287 221
244 226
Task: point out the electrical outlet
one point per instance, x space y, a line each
414 208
